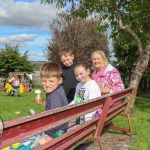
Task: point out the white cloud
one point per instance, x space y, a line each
19 39
36 54
26 15
31 18
23 37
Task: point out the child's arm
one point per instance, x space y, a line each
75 95
10 80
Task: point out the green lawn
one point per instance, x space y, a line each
140 119
140 122
9 105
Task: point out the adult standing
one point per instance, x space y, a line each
107 76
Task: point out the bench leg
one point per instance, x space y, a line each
123 129
99 142
130 128
129 123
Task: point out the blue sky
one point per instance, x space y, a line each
25 23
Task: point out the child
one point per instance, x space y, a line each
51 76
69 79
15 83
87 88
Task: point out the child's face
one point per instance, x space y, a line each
67 59
50 84
82 74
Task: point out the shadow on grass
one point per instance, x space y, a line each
143 104
83 146
114 131
10 96
143 94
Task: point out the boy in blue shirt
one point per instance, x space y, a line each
51 77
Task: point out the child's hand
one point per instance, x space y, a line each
38 100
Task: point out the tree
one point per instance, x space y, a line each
131 16
12 61
124 49
79 35
125 54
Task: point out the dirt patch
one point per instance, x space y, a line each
111 141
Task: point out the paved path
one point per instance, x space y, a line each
111 141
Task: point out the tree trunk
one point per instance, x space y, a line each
142 62
137 74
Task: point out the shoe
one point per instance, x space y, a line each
78 120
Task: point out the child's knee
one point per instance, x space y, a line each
41 141
44 139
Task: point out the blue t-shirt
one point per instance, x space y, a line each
56 99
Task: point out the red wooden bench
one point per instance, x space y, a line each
23 128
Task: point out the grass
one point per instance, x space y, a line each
9 105
141 124
145 95
140 120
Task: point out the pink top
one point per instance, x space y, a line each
14 81
109 77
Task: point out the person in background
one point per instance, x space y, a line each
51 77
29 78
86 89
107 76
14 80
69 79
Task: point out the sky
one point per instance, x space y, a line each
25 23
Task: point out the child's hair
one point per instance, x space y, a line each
15 76
51 69
65 51
86 67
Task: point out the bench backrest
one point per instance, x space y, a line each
23 128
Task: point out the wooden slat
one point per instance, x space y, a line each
23 128
20 129
69 138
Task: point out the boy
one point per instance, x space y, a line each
69 79
51 77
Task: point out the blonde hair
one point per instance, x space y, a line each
51 70
85 67
100 53
15 76
65 51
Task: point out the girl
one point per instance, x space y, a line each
15 83
87 88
